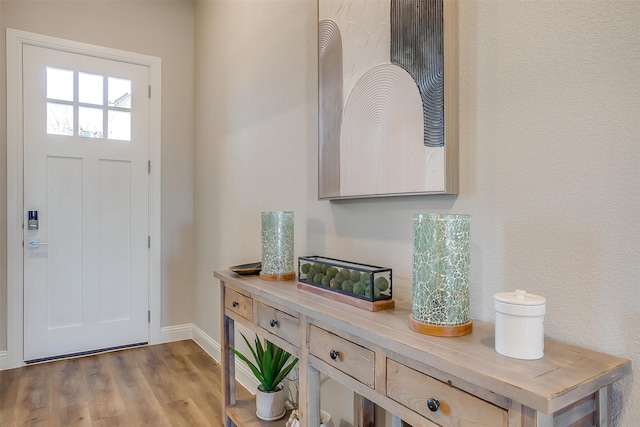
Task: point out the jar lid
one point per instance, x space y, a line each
519 297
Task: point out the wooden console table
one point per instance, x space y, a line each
424 380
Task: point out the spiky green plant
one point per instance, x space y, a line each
270 367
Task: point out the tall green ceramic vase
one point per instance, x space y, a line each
277 246
440 303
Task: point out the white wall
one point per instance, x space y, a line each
550 160
159 28
3 190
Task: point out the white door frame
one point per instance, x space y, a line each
15 173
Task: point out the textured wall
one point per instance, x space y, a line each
550 160
552 108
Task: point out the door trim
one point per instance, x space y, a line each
16 39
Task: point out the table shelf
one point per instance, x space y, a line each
243 413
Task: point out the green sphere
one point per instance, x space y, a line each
326 280
358 288
364 277
305 268
312 271
347 286
318 278
381 283
344 273
334 283
354 275
332 271
376 292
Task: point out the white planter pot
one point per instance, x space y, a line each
270 406
325 419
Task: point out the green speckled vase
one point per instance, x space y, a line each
441 269
277 246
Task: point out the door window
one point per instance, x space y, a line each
72 94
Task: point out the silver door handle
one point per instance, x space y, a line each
35 243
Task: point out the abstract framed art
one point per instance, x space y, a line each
388 98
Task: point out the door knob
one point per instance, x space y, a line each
36 243
433 404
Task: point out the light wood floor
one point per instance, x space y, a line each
173 384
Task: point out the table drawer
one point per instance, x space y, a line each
278 323
350 358
453 408
238 303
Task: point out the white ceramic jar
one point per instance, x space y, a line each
519 324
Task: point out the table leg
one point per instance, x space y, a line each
227 362
363 411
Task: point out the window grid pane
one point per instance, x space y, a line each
90 122
119 92
119 125
59 119
90 88
59 84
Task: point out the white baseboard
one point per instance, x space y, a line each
176 333
3 360
211 346
207 343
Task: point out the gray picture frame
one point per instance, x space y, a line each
388 98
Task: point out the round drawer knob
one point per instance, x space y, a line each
273 323
235 304
334 354
433 404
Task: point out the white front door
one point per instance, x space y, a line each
86 178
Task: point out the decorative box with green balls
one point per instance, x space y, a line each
362 281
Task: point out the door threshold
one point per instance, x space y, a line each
83 353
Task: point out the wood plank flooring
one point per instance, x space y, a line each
172 384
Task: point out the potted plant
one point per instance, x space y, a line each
270 369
